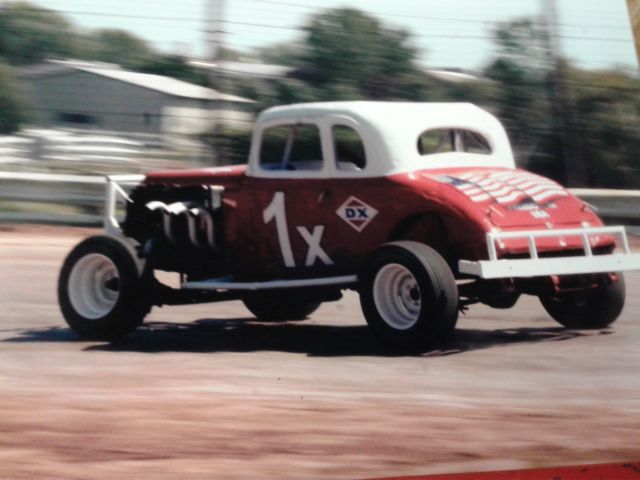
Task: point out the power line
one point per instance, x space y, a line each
302 29
439 18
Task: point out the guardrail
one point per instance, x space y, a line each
79 199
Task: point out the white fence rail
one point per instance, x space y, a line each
79 199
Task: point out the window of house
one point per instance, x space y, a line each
291 147
76 118
444 140
349 149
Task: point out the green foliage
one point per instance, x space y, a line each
345 54
288 54
173 66
10 101
525 43
351 55
603 109
115 46
29 34
233 144
608 111
521 96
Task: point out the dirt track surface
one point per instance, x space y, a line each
206 392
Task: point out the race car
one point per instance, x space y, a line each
418 207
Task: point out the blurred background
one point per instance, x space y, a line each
127 87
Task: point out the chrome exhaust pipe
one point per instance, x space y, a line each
196 217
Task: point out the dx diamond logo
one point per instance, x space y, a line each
356 213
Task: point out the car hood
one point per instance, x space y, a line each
224 176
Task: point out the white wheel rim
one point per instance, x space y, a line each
94 286
397 296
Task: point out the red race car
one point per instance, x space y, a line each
417 206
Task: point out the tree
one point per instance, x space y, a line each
608 111
521 73
29 34
288 54
604 109
115 46
351 55
174 66
10 101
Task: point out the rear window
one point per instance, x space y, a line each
443 140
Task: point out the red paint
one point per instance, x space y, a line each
614 471
255 249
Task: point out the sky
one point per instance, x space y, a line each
447 33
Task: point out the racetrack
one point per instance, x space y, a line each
205 392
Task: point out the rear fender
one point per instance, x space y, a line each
427 228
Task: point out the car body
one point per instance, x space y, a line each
381 197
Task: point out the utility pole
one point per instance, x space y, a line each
214 42
572 151
634 16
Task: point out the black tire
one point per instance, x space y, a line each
409 295
100 292
591 308
279 307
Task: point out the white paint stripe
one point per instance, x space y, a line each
503 191
542 188
491 184
466 176
544 196
499 174
473 178
526 182
481 198
503 176
510 198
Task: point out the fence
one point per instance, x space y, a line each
79 200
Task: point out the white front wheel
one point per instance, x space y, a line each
101 293
94 286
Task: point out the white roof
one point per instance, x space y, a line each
158 83
245 69
452 75
390 132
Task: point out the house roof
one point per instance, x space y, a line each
244 69
159 83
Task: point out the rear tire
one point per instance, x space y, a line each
278 307
409 295
590 308
100 292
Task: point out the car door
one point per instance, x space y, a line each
356 200
318 209
289 198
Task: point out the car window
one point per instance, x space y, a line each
475 143
348 148
444 140
291 147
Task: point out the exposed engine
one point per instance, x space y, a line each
179 228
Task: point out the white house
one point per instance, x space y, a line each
98 96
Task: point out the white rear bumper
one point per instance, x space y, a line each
535 266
